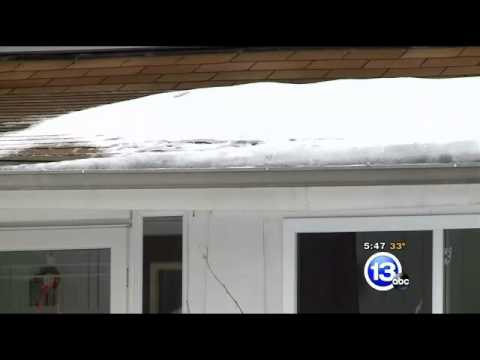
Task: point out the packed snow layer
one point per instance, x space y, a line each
340 122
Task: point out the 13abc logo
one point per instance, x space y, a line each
383 272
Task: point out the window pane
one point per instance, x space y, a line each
162 265
462 288
60 281
331 272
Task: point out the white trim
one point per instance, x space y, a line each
438 272
422 198
435 223
289 267
51 226
135 258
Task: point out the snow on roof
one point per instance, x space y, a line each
333 123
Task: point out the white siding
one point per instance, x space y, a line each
236 256
242 228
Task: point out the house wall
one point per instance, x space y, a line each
239 231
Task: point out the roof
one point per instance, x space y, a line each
343 123
35 88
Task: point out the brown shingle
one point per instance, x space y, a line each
15 75
375 53
263 56
396 64
8 65
429 52
148 87
45 153
280 65
152 60
92 88
70 73
5 91
471 51
303 81
169 69
297 74
462 70
321 54
40 90
243 75
23 83
354 73
186 77
414 72
130 79
75 81
204 84
44 64
128 70
229 66
337 64
97 63
458 61
206 58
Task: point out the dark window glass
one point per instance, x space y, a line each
162 265
462 288
331 279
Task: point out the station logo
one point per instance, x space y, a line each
383 272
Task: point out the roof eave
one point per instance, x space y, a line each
238 178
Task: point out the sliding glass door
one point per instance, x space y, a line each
332 266
405 264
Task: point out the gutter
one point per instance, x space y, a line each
238 178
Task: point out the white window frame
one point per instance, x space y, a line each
435 223
135 258
112 237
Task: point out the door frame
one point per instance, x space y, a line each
113 237
435 223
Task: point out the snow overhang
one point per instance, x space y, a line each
343 124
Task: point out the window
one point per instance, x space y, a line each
162 265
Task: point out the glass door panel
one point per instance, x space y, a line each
63 270
462 288
364 272
59 281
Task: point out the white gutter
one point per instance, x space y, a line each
239 178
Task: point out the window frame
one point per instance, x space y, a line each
435 223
